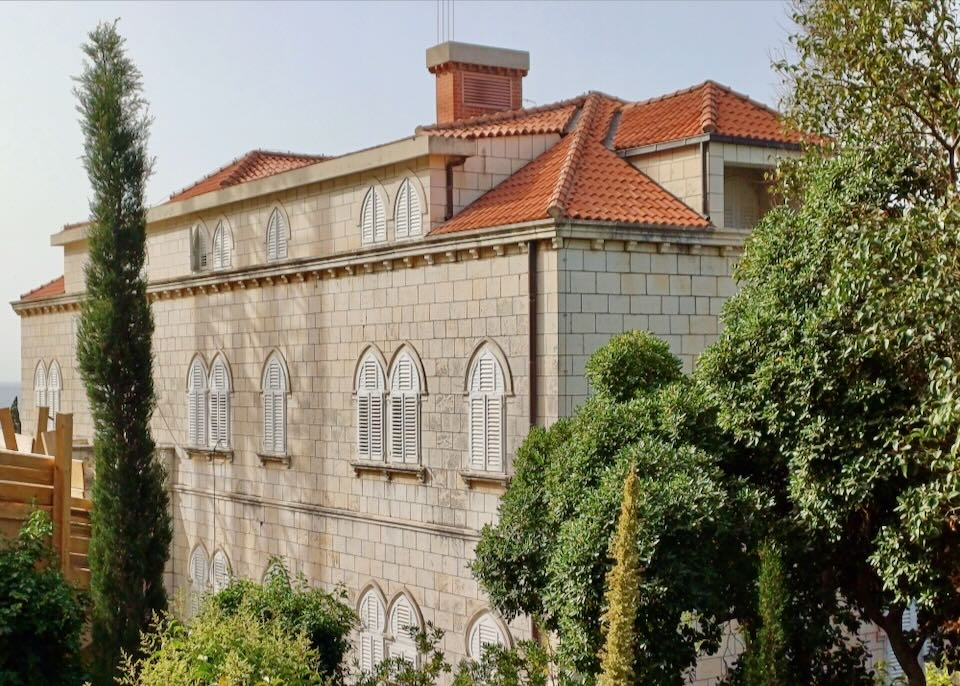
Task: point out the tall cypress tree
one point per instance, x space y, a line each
623 595
131 529
766 657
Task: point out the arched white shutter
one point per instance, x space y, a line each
220 571
487 414
405 412
408 220
370 390
373 218
485 633
199 250
198 579
371 631
219 406
40 385
274 408
403 627
277 233
197 405
222 247
54 385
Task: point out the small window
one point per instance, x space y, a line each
40 385
222 247
278 232
199 579
373 218
405 411
371 631
485 632
219 405
404 625
745 197
220 572
274 386
408 220
199 248
370 393
197 404
487 414
54 386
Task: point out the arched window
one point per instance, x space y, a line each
371 630
40 385
487 414
373 218
197 404
407 218
199 578
405 411
274 386
370 409
54 386
404 625
278 232
222 247
220 572
199 248
219 405
275 570
484 632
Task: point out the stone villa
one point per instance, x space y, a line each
349 350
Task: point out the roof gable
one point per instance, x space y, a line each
50 289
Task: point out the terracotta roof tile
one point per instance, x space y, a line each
578 178
256 164
48 290
538 120
707 108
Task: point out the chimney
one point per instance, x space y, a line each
476 79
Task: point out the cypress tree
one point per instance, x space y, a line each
15 413
131 529
623 595
766 658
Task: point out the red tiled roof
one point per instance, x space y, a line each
707 108
256 164
578 178
546 119
47 290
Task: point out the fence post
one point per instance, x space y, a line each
62 489
6 423
43 414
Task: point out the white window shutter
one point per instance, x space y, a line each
280 423
53 389
198 579
402 214
396 427
363 425
40 385
222 247
380 219
370 410
411 428
366 652
220 571
413 211
274 408
485 633
494 437
370 218
376 426
478 432
277 231
197 405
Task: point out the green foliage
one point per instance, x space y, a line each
131 529
323 618
939 676
623 595
15 414
766 657
224 649
41 615
559 514
632 363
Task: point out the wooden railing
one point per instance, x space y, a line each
43 478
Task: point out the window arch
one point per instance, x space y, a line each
404 625
222 246
372 615
487 410
40 385
219 404
373 218
199 578
408 220
485 631
220 571
197 404
276 569
405 410
370 392
199 248
278 234
274 386
54 386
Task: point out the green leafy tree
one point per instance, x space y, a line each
41 615
131 530
623 591
766 657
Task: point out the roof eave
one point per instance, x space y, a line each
660 146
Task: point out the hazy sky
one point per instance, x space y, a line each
225 78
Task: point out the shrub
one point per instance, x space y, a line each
323 618
632 363
41 615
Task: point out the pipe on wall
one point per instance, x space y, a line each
532 327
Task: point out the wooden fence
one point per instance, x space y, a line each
38 472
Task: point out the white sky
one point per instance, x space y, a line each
316 78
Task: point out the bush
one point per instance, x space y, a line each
41 615
323 618
632 363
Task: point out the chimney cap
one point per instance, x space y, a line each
480 55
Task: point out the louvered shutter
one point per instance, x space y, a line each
274 409
198 579
494 432
379 219
370 410
376 425
413 211
371 636
411 429
197 406
485 633
366 652
367 219
53 389
222 247
909 623
403 627
202 252
280 423
477 432
402 215
219 406
40 386
220 571
404 410
363 424
277 231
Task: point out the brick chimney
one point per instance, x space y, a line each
476 79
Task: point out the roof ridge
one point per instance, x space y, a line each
506 115
39 288
709 112
244 161
556 206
